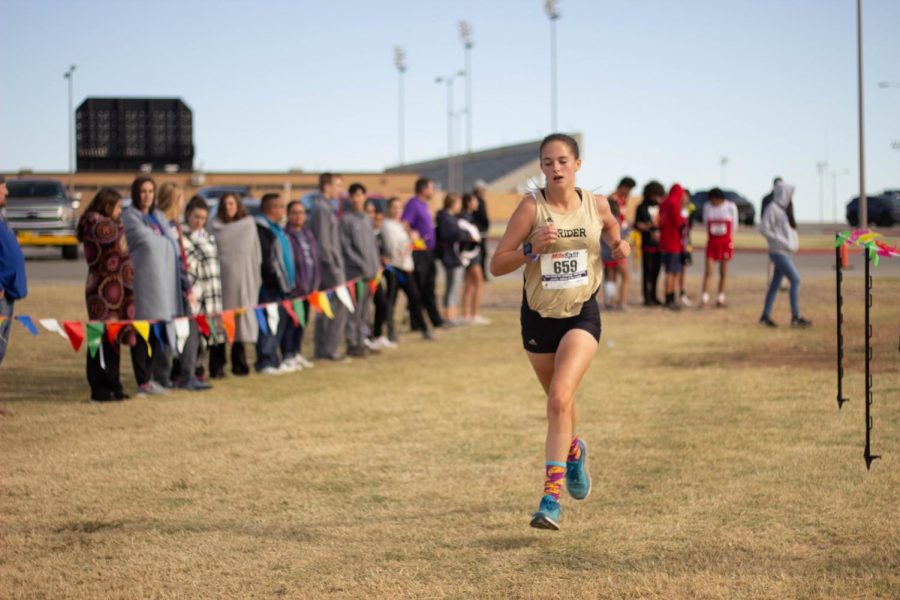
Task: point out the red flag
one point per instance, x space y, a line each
75 331
203 325
289 309
352 287
228 324
112 330
373 285
845 256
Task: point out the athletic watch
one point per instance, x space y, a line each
527 251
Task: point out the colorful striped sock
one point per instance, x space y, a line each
574 450
556 472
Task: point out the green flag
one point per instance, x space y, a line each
301 314
94 336
360 291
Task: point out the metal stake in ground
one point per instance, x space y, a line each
839 278
868 451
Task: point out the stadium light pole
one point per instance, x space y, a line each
70 120
822 168
863 201
400 63
553 14
834 177
465 32
450 115
896 145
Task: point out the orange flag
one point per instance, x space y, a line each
112 330
228 324
314 302
845 256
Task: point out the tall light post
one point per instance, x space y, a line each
896 145
451 180
70 119
834 177
723 163
822 168
400 63
465 32
863 201
553 13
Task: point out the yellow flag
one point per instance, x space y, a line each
326 305
143 329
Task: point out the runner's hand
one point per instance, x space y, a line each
546 237
621 249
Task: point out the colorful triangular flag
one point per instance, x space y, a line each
75 331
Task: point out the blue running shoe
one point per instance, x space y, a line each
547 516
578 482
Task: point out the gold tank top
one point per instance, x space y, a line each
569 272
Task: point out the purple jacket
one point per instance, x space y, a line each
418 215
306 261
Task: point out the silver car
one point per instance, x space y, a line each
40 213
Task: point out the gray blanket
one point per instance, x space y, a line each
240 258
157 292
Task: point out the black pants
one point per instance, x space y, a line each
406 282
483 256
651 263
292 341
105 383
425 274
184 366
269 343
380 299
239 364
154 367
217 360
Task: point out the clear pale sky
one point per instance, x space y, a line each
659 88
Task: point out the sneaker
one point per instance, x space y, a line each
547 515
767 322
288 367
372 345
672 306
578 482
303 362
386 343
479 320
427 335
272 371
151 388
195 385
800 322
685 301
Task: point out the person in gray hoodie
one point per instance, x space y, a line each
324 226
361 259
778 227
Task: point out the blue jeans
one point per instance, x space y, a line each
6 310
784 267
268 344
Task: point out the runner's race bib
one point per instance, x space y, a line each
718 229
562 270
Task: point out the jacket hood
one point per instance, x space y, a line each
676 193
782 194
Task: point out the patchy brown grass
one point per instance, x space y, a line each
722 468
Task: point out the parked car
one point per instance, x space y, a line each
883 210
746 210
40 213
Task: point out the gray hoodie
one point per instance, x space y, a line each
774 224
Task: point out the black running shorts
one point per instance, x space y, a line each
542 335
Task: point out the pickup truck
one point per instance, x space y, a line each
40 213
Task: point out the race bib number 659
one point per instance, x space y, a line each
562 270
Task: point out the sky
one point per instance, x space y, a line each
660 89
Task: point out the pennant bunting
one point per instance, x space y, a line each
53 326
360 290
314 302
261 319
94 336
182 332
75 331
325 305
143 329
289 309
351 286
112 330
373 285
228 325
300 311
273 317
27 323
344 296
203 325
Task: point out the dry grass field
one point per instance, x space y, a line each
721 467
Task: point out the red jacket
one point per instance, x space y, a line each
671 221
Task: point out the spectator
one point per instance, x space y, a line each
13 285
687 248
767 199
449 236
611 294
109 291
278 275
157 285
671 222
324 226
380 296
471 253
240 258
778 227
721 219
361 260
417 215
398 248
620 273
170 200
646 221
205 276
479 217
307 280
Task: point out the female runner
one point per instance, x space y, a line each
555 233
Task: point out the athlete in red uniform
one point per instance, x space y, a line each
721 218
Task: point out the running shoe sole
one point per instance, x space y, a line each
542 521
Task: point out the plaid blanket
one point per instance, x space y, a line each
204 274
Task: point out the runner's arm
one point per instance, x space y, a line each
509 256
